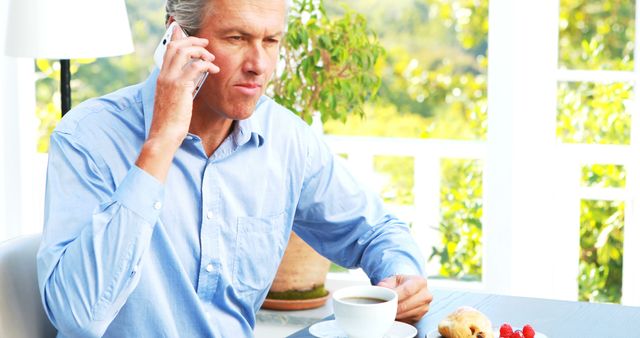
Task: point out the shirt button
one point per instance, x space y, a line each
209 214
157 205
209 267
134 271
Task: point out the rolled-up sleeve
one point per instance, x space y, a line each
348 224
95 237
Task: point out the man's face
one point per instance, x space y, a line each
244 36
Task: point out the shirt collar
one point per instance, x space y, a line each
245 130
250 128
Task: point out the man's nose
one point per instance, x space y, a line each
256 60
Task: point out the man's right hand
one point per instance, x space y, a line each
174 101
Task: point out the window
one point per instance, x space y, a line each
517 172
597 99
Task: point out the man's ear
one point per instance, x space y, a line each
169 21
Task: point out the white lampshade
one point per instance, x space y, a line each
67 29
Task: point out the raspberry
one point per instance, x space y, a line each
528 331
506 330
517 334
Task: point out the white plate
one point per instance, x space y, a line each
496 334
329 329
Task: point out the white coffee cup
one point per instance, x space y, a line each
365 311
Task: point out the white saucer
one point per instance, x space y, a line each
496 333
329 329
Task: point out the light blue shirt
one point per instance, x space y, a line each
126 256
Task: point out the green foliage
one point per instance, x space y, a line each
48 97
434 86
398 171
437 49
597 34
604 176
429 69
460 82
460 254
382 119
328 63
601 249
594 113
601 237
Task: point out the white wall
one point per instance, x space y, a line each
21 169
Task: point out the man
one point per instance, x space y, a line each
167 216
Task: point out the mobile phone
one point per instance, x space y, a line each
158 55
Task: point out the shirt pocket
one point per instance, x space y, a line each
259 249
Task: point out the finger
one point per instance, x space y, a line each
178 33
181 50
415 309
413 316
187 41
419 300
410 287
183 56
389 282
198 62
194 70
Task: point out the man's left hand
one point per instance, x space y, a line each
413 296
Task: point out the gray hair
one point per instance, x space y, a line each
189 13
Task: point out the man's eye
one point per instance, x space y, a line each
273 41
235 38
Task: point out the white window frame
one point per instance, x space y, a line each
531 181
542 203
519 254
21 168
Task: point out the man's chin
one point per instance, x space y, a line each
241 113
247 109
240 117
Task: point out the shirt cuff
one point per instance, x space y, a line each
141 193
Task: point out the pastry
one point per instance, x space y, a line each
466 322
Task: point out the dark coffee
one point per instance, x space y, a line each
363 300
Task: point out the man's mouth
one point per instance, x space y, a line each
249 88
249 85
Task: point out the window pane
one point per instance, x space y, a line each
460 254
604 176
597 35
594 113
396 173
601 250
433 73
434 85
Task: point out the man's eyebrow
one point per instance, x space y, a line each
276 35
245 33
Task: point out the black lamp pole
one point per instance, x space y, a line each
65 86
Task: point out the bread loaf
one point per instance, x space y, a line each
465 322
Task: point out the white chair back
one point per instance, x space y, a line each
21 311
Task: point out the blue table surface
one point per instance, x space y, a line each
553 317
